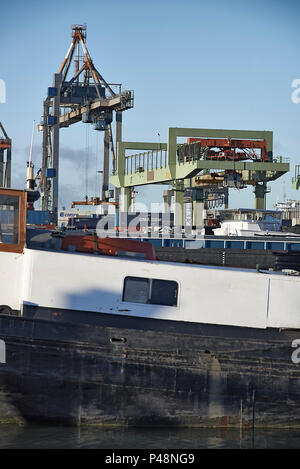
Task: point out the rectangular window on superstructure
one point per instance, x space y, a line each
150 291
12 220
9 219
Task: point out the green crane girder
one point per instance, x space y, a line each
171 170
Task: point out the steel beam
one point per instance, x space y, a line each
100 105
119 117
7 174
55 143
2 168
105 175
45 192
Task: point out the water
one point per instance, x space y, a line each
45 437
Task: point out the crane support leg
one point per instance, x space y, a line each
125 199
260 196
1 168
198 207
105 178
178 208
7 175
55 162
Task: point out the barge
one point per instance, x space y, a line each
99 332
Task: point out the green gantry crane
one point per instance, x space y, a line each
228 158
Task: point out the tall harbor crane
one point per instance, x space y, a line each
85 96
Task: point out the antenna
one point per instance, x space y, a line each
31 145
30 179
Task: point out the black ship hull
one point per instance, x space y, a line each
111 370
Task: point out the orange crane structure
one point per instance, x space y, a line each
93 201
226 149
5 159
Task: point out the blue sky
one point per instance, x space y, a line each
206 64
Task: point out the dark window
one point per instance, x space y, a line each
136 290
151 291
9 219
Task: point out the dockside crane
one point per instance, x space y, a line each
88 97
